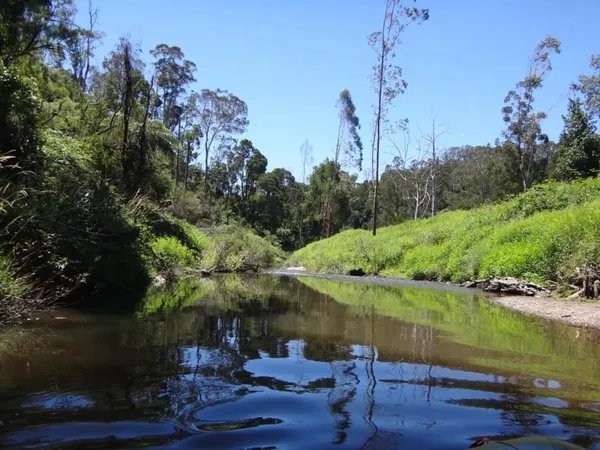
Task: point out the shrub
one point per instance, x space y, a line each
170 254
235 249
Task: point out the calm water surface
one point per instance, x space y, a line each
273 362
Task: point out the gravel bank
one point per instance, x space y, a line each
575 312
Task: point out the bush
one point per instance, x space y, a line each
235 249
170 254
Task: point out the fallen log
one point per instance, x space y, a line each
509 285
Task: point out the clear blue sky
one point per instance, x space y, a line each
289 59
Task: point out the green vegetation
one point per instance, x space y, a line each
99 189
541 235
110 173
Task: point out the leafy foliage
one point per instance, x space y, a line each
578 152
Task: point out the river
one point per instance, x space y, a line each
265 362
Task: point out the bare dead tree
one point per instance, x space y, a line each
414 171
431 139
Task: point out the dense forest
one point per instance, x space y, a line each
114 172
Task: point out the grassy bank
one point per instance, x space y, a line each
542 235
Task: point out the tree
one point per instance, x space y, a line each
578 153
523 123
173 74
348 145
589 86
470 176
221 116
80 48
35 27
274 203
387 77
248 165
306 160
432 140
414 174
192 140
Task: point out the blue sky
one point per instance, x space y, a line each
289 59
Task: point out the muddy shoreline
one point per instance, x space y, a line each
582 313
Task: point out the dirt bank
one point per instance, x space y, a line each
575 312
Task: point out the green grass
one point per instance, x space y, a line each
541 235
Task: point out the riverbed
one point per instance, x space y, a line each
298 362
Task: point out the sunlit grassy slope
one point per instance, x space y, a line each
541 235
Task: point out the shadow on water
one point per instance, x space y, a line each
274 362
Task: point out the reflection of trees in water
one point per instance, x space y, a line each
341 395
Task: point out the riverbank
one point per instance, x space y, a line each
547 235
583 313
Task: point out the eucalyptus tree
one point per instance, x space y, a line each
589 87
35 28
306 159
524 130
173 73
387 76
222 115
80 46
432 139
348 146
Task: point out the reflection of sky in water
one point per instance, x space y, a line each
291 370
50 400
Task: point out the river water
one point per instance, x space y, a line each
267 362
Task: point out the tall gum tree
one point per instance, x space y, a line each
222 116
524 129
348 146
387 76
173 74
589 87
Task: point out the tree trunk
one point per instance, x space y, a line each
329 212
378 129
127 100
177 152
433 178
141 172
206 149
187 165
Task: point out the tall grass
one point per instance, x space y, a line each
542 235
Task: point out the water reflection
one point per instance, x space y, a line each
269 362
